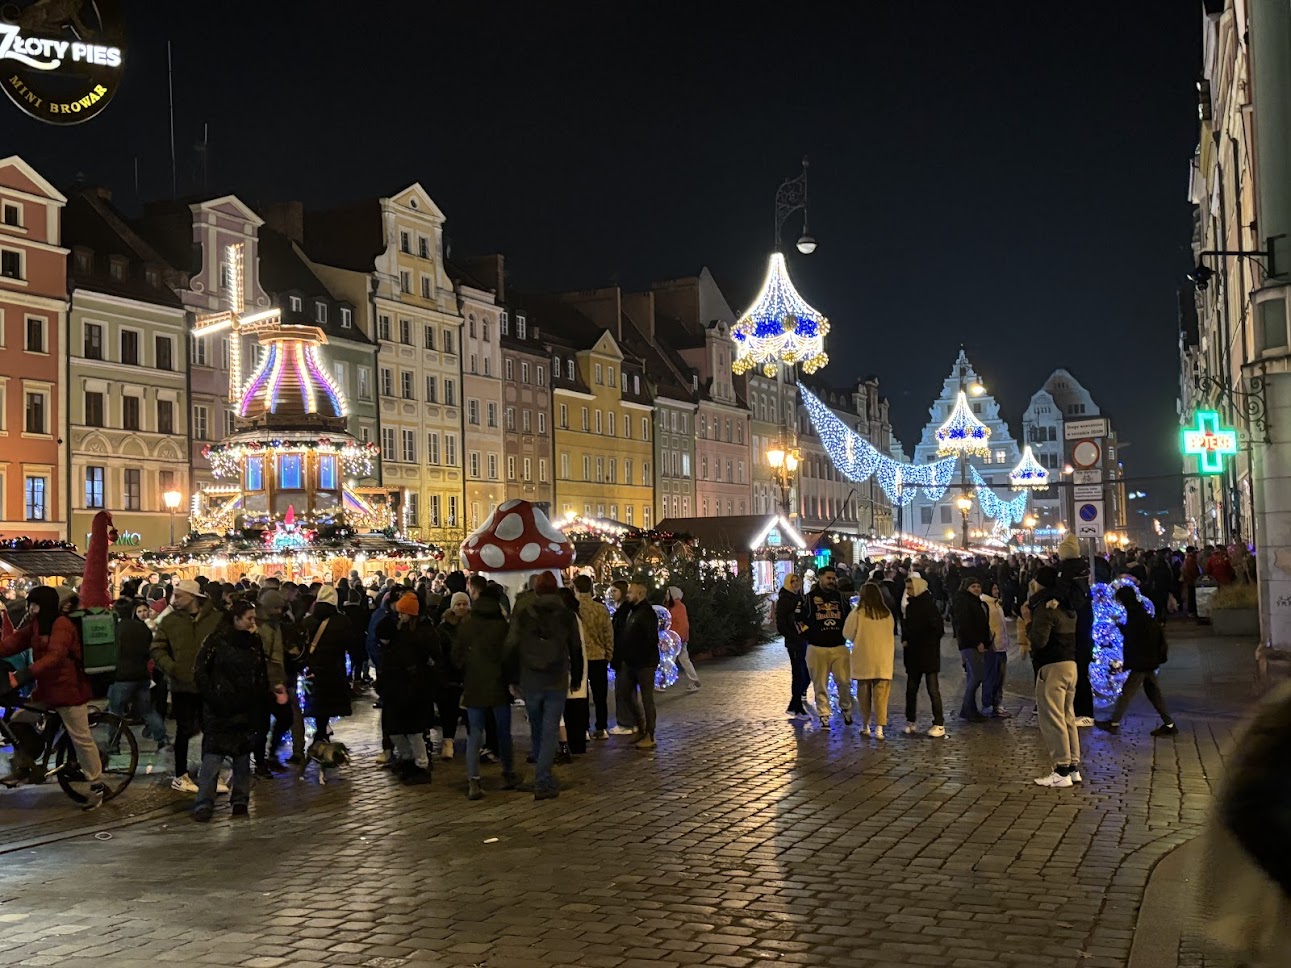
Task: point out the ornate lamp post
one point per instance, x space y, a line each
1029 522
965 504
784 464
172 499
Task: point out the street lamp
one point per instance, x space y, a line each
172 499
1029 522
965 504
784 464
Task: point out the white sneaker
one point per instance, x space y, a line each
184 784
621 731
1054 779
1075 776
382 758
910 729
865 730
878 732
1084 722
446 751
937 732
221 786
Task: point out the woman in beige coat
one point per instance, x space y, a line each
871 629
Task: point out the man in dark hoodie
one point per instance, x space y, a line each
636 659
973 629
824 612
544 639
1052 634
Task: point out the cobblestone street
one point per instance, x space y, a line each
745 840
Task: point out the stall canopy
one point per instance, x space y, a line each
43 563
741 533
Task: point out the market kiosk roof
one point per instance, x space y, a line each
44 563
739 532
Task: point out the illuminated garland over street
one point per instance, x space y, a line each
780 327
1009 512
857 459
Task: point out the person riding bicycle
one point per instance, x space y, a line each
58 669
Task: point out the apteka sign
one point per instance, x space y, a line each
61 60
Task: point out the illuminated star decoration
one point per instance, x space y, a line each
780 327
232 319
1107 672
1010 512
1029 474
857 459
962 434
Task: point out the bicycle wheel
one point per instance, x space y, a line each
118 754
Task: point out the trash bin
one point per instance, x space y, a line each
1205 590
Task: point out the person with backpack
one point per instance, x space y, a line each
231 674
479 650
1144 652
544 639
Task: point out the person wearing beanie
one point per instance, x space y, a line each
973 629
448 697
284 707
407 678
1052 635
681 625
1073 585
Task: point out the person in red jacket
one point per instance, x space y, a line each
58 670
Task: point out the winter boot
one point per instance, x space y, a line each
473 791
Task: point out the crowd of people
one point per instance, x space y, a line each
253 665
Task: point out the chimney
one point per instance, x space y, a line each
101 191
287 218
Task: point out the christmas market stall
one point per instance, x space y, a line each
26 562
606 549
767 545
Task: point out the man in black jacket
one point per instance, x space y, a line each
133 683
973 629
824 613
636 660
788 620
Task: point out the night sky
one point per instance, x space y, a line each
1012 176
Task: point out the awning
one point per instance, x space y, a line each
48 563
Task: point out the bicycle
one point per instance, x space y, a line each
118 751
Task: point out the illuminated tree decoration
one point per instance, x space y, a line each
857 459
1107 673
780 327
1009 512
962 434
1029 475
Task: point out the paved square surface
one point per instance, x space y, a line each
744 840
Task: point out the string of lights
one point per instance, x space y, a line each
1009 512
1107 673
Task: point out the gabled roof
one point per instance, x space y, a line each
90 221
284 269
38 181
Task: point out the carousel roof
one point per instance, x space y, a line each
292 387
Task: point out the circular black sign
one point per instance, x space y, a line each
61 60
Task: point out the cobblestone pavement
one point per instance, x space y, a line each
744 840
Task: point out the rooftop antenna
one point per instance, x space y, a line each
170 86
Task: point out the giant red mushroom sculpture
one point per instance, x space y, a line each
516 541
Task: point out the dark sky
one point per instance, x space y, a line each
1008 175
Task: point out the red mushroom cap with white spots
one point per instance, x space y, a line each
517 537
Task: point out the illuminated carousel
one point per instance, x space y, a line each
290 498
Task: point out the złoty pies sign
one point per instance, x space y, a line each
60 60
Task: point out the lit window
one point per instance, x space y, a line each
290 472
255 473
327 472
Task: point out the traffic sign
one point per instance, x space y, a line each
1088 492
1089 519
1094 476
1086 454
1093 427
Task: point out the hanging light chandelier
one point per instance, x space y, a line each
963 434
1029 474
780 327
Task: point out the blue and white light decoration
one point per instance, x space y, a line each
780 327
963 434
1005 513
1029 474
1107 673
857 459
669 649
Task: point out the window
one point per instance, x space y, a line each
484 330
542 469
509 416
36 415
405 281
600 421
405 332
645 428
129 347
450 450
629 520
93 409
473 411
291 472
34 498
452 510
627 427
94 487
165 417
542 375
493 467
428 337
409 442
383 327
614 472
564 417
450 393
636 388
94 341
425 287
555 366
474 463
434 511
600 470
528 468
164 348
645 474
12 215
255 473
585 424
432 390
587 467
365 383
599 380
201 427
35 334
474 367
524 371
387 382
508 370
405 243
527 417
423 247
470 327
294 303
521 327
405 385
133 489
569 369
340 375
412 509
564 467
542 422
347 318
11 266
387 443
610 418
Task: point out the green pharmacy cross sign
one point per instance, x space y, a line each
1209 442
